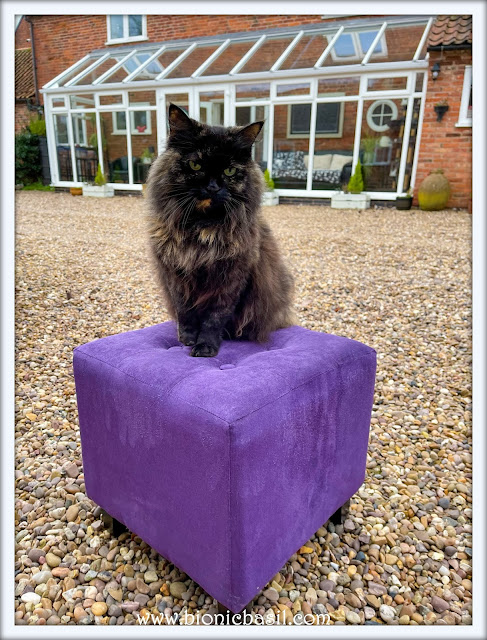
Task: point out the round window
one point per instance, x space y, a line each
380 114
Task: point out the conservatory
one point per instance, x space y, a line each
330 94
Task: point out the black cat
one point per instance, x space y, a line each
219 265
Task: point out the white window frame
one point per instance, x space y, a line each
80 118
126 37
133 129
370 113
339 133
464 120
359 52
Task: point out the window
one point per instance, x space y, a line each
380 114
125 28
79 129
465 115
329 120
354 46
140 121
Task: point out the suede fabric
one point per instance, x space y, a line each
225 465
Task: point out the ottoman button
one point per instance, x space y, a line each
227 366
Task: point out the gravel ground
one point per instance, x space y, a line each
398 281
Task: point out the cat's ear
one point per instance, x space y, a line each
248 134
178 120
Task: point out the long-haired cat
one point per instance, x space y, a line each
219 265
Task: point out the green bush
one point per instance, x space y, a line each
38 127
356 182
38 186
100 179
268 180
27 158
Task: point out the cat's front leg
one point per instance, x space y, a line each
211 333
188 328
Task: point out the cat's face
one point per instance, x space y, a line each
211 173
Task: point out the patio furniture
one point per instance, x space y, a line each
225 465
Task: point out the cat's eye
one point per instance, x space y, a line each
230 171
194 165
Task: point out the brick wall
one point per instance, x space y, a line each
22 116
443 145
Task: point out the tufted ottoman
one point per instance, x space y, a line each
225 465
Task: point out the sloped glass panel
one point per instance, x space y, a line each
402 41
159 64
95 73
306 52
196 58
229 58
366 38
69 76
267 54
130 65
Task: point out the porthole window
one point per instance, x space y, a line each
380 114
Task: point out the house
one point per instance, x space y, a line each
332 90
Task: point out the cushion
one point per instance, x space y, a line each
339 161
224 465
320 161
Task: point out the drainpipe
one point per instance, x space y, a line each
34 66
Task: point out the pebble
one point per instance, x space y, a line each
177 589
386 612
53 560
99 608
407 532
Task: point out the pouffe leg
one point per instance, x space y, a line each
340 514
112 523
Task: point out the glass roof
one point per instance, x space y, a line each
352 42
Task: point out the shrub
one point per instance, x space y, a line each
356 182
100 179
268 180
38 127
27 158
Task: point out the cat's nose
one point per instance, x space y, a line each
213 186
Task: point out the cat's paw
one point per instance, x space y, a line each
203 350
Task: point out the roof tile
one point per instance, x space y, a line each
24 75
451 30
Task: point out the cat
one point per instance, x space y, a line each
219 265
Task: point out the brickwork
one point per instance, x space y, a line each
22 116
443 145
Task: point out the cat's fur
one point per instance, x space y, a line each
219 265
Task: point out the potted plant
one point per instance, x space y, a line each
269 197
405 201
100 189
146 156
440 109
353 197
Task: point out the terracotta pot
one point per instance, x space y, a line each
76 191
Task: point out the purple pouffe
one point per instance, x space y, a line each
225 465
